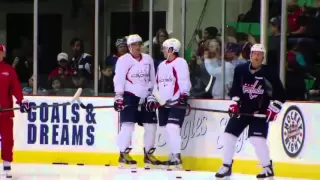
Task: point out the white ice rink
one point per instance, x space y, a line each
73 172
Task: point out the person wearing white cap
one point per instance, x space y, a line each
63 68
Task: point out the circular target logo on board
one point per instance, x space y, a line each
293 131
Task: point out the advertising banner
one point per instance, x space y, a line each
67 128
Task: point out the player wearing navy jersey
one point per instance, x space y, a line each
255 89
173 85
133 82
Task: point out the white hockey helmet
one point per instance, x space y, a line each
258 48
172 43
134 38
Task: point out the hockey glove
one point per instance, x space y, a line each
183 99
234 108
273 109
152 104
118 103
24 106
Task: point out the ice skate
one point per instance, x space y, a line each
224 172
266 173
126 161
149 160
7 172
174 162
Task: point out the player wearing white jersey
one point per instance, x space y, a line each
173 84
133 82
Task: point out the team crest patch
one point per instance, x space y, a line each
253 89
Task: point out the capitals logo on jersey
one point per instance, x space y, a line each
142 75
253 89
165 81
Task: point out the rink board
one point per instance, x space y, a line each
75 136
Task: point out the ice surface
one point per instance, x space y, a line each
73 172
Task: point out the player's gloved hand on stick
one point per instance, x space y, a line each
183 99
152 104
118 103
234 108
273 110
24 106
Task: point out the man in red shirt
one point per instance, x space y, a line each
10 86
294 12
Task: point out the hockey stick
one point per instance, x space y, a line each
74 98
162 102
94 107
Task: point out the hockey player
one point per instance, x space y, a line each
173 84
10 86
255 89
133 82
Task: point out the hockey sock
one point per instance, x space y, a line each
150 131
262 150
124 136
173 138
6 163
229 145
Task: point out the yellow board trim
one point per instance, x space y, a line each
311 171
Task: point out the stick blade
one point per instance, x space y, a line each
156 94
209 84
76 95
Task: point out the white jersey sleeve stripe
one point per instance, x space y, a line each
152 76
176 85
183 77
127 76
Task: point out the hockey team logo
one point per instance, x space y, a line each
141 75
165 81
252 89
293 131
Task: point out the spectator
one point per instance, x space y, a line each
199 78
208 34
158 56
106 80
22 60
56 85
294 11
230 34
63 70
80 82
161 36
273 53
213 66
295 75
232 54
122 49
315 13
246 49
81 62
242 38
29 89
